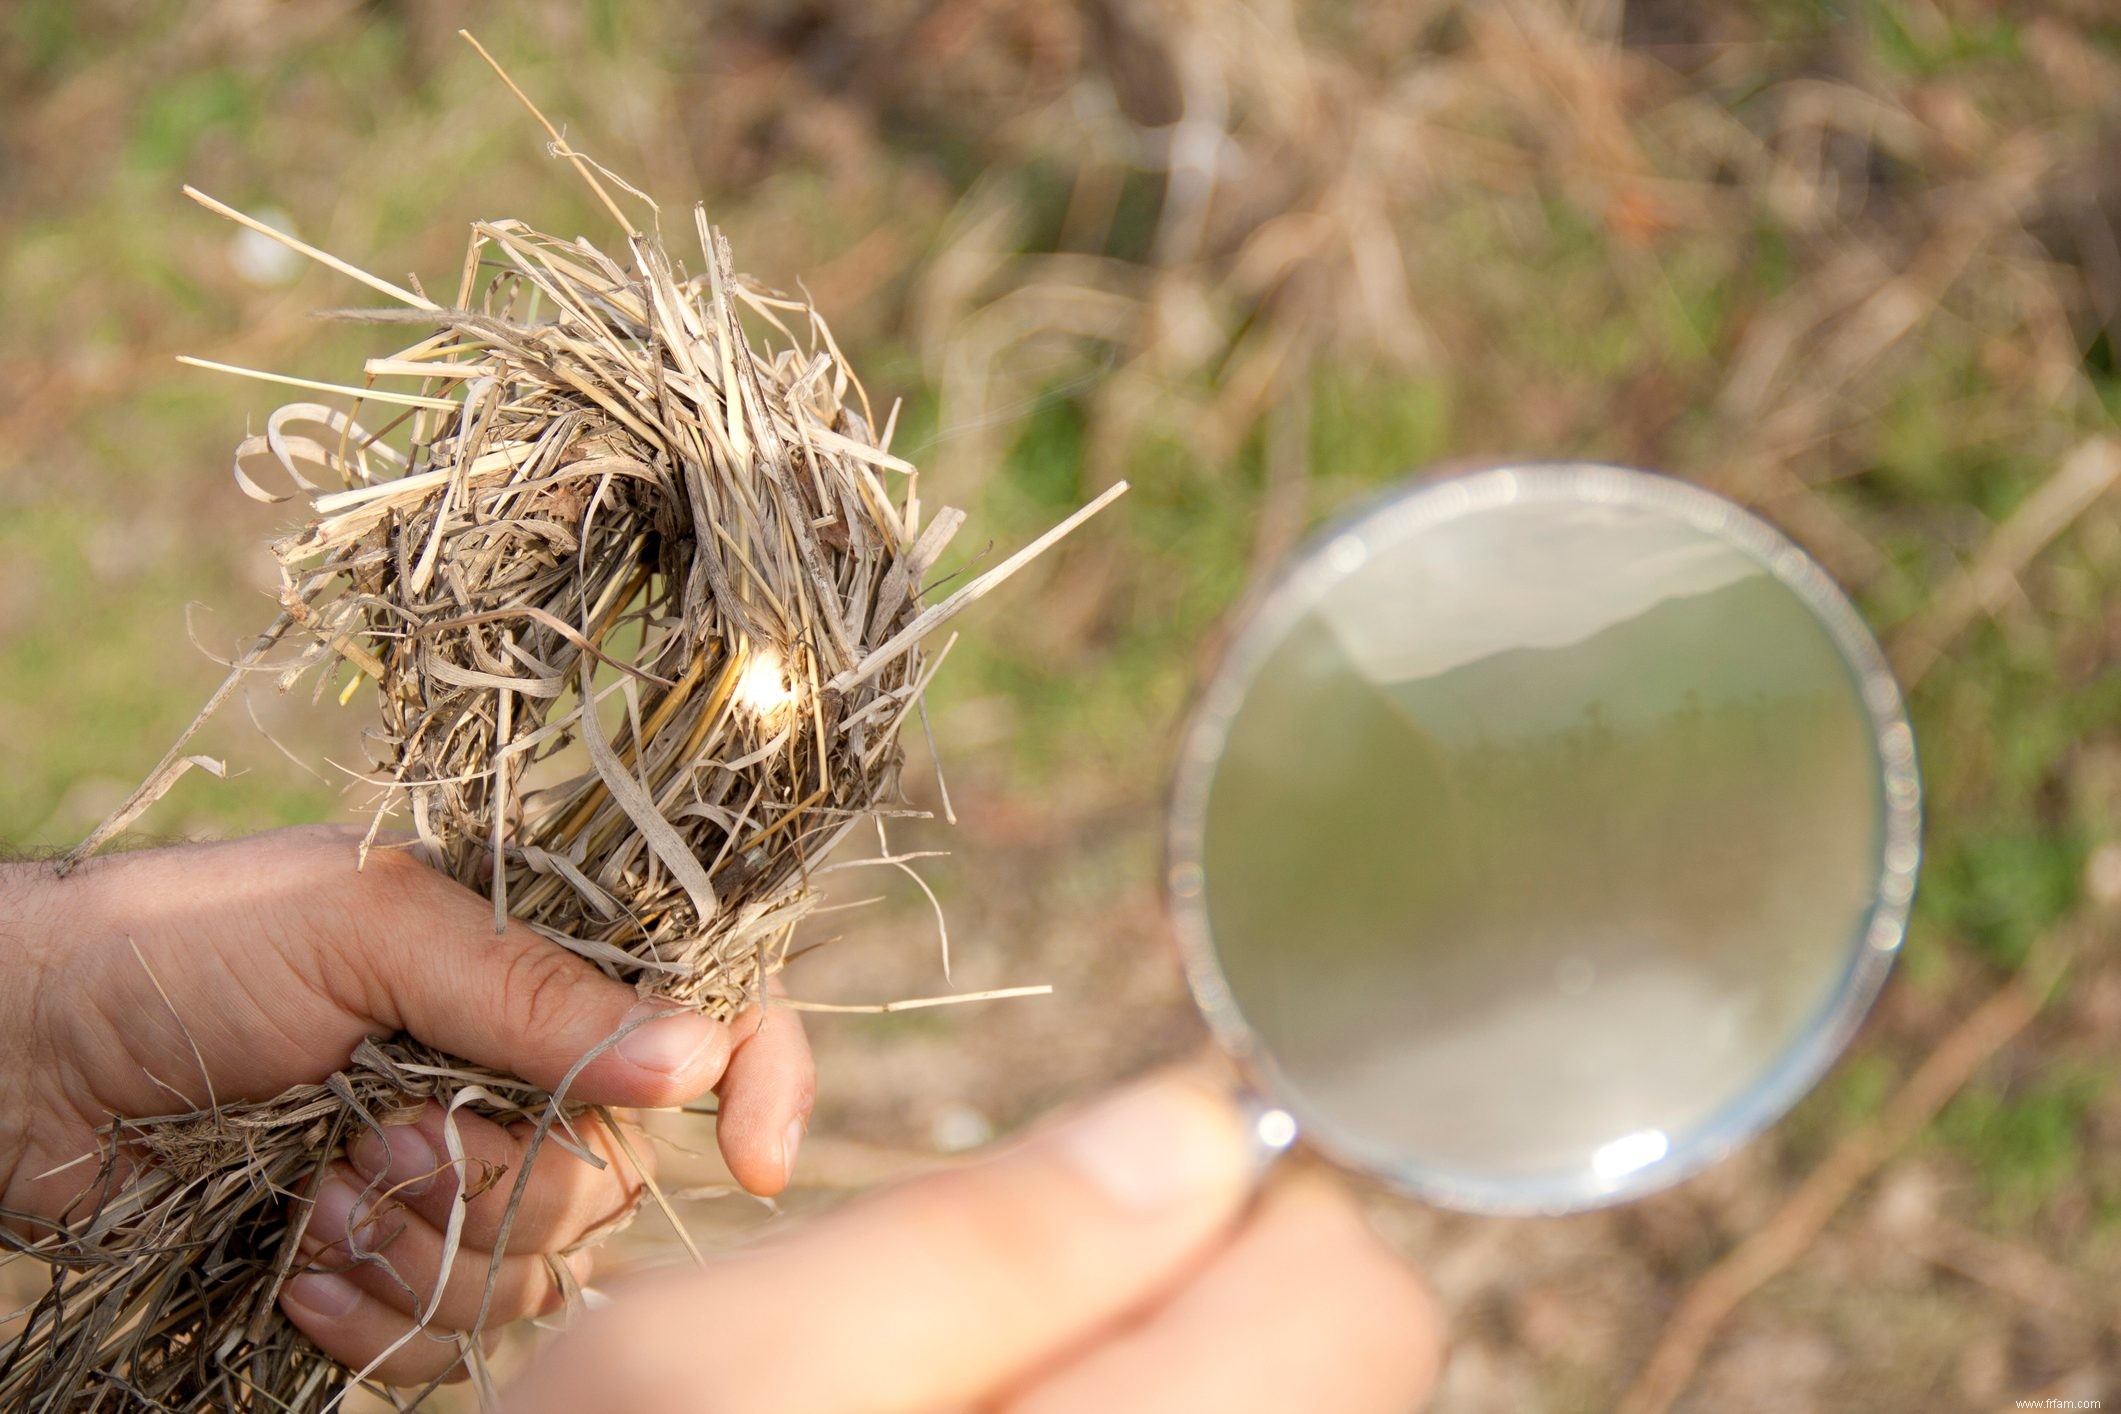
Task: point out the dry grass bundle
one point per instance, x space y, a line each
642 607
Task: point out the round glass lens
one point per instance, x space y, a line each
1545 833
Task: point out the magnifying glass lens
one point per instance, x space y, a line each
1542 845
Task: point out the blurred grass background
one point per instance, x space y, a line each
1855 263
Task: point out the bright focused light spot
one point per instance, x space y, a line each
1276 1129
763 685
1628 1153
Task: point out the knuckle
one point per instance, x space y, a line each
565 1199
538 988
523 1287
575 1201
341 926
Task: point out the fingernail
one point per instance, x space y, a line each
331 1213
666 1047
327 1294
1157 1145
402 1158
792 1140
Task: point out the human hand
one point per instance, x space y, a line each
1109 1262
278 957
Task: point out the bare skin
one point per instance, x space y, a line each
280 957
1121 1259
1118 1261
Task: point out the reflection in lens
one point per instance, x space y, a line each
1538 839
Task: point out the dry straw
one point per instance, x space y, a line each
641 604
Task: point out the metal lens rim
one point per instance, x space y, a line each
1339 551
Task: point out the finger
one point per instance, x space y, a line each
398 1257
766 1096
566 1199
1326 1315
934 1293
417 951
354 1328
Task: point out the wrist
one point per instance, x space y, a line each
26 905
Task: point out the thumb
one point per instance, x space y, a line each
429 962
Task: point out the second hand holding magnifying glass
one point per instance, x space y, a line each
1544 834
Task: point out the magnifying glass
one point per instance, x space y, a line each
1543 835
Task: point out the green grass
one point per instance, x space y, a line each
99 691
1180 543
1554 337
2026 1144
1369 428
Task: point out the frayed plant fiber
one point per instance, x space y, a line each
641 604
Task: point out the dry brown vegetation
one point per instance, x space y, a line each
1857 265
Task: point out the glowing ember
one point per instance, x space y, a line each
763 685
